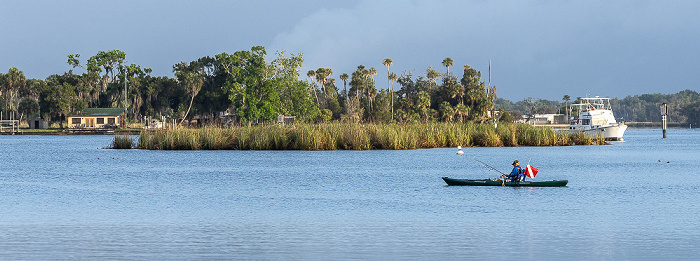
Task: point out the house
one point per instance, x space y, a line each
92 118
282 120
37 123
546 119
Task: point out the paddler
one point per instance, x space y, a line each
517 173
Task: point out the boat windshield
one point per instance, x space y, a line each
593 104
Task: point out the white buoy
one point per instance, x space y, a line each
459 150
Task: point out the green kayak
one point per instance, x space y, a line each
489 182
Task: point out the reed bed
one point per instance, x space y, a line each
350 136
122 142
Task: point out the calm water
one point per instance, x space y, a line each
64 197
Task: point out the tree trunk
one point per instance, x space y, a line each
316 95
188 111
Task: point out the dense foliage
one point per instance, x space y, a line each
243 87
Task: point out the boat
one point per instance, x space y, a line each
498 182
595 118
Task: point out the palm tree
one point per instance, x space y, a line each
328 80
312 74
372 72
423 103
566 99
358 78
462 110
372 93
321 77
331 82
345 77
447 63
366 75
388 62
392 79
432 74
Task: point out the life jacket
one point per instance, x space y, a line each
517 175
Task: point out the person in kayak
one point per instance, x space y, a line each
517 173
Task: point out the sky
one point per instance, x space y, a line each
538 48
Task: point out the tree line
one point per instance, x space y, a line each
246 86
252 89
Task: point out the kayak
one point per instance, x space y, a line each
497 182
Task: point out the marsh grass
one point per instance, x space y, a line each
349 136
122 142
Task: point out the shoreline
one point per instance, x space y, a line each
631 125
62 133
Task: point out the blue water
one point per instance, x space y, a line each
65 197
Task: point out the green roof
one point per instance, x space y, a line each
97 112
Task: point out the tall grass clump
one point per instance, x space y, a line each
122 142
600 140
528 135
352 136
213 138
580 138
506 132
268 137
457 134
305 137
563 138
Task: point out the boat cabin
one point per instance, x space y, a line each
96 118
594 112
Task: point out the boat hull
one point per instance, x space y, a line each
613 133
488 182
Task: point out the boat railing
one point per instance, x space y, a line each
592 106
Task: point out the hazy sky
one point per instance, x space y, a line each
539 48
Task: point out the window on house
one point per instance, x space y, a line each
75 121
100 120
111 120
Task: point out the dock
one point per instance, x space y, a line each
10 127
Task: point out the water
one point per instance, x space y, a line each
64 197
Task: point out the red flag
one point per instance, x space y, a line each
531 171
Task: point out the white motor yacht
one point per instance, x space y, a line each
595 117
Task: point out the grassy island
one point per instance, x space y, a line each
351 136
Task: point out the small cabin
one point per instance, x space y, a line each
37 123
94 118
288 120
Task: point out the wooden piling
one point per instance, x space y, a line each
664 111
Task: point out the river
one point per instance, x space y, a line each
67 198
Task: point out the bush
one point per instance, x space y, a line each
122 142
